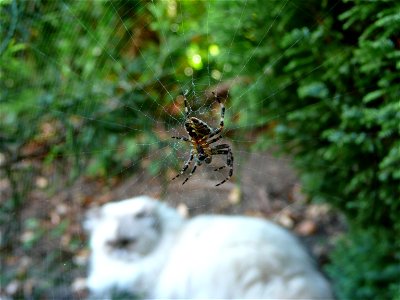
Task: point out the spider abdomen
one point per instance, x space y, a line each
197 128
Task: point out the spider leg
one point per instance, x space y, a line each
215 149
191 173
182 138
214 139
186 105
215 133
224 149
221 122
186 165
220 151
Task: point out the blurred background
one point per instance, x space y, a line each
90 96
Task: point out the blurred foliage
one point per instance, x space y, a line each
62 90
92 84
325 76
362 266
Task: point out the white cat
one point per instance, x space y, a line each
142 246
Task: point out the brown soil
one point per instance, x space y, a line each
53 265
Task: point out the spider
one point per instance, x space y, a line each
201 135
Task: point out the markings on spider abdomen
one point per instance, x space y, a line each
197 128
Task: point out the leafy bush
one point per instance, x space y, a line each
369 266
326 79
96 74
66 94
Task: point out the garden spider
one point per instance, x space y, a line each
202 136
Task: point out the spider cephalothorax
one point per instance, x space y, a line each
201 135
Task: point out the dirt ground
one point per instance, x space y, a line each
52 264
